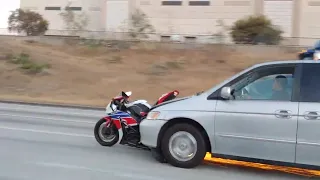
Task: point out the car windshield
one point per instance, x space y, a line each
317 44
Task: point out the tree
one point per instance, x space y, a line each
74 22
220 36
254 30
29 22
139 25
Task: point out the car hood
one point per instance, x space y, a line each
190 103
171 101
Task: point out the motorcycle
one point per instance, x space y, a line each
121 124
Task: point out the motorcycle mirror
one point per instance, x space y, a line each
128 93
123 94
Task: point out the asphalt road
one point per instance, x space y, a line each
49 143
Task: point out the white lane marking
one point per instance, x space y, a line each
112 172
46 132
52 111
51 119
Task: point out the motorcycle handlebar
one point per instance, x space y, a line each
120 104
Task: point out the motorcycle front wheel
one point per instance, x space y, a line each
106 136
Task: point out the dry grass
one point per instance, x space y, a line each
91 76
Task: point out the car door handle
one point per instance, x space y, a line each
283 114
311 115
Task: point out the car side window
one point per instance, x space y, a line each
310 83
266 85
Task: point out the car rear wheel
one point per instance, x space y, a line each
183 146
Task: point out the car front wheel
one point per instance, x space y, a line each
183 146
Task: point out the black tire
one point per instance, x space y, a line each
201 146
100 140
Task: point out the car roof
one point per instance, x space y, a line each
284 62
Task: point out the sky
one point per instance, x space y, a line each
5 8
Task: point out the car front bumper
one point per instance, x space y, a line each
149 131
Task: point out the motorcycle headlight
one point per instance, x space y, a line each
153 115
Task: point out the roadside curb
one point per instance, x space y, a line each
52 105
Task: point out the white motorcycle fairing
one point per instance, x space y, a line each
140 101
109 109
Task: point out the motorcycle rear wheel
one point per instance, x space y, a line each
106 137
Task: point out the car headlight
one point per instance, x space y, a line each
153 115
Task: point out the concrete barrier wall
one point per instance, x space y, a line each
58 40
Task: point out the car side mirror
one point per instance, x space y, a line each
226 93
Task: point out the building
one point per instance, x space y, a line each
5 12
103 15
192 19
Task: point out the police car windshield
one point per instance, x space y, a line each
317 44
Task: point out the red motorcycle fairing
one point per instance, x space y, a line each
119 117
168 96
